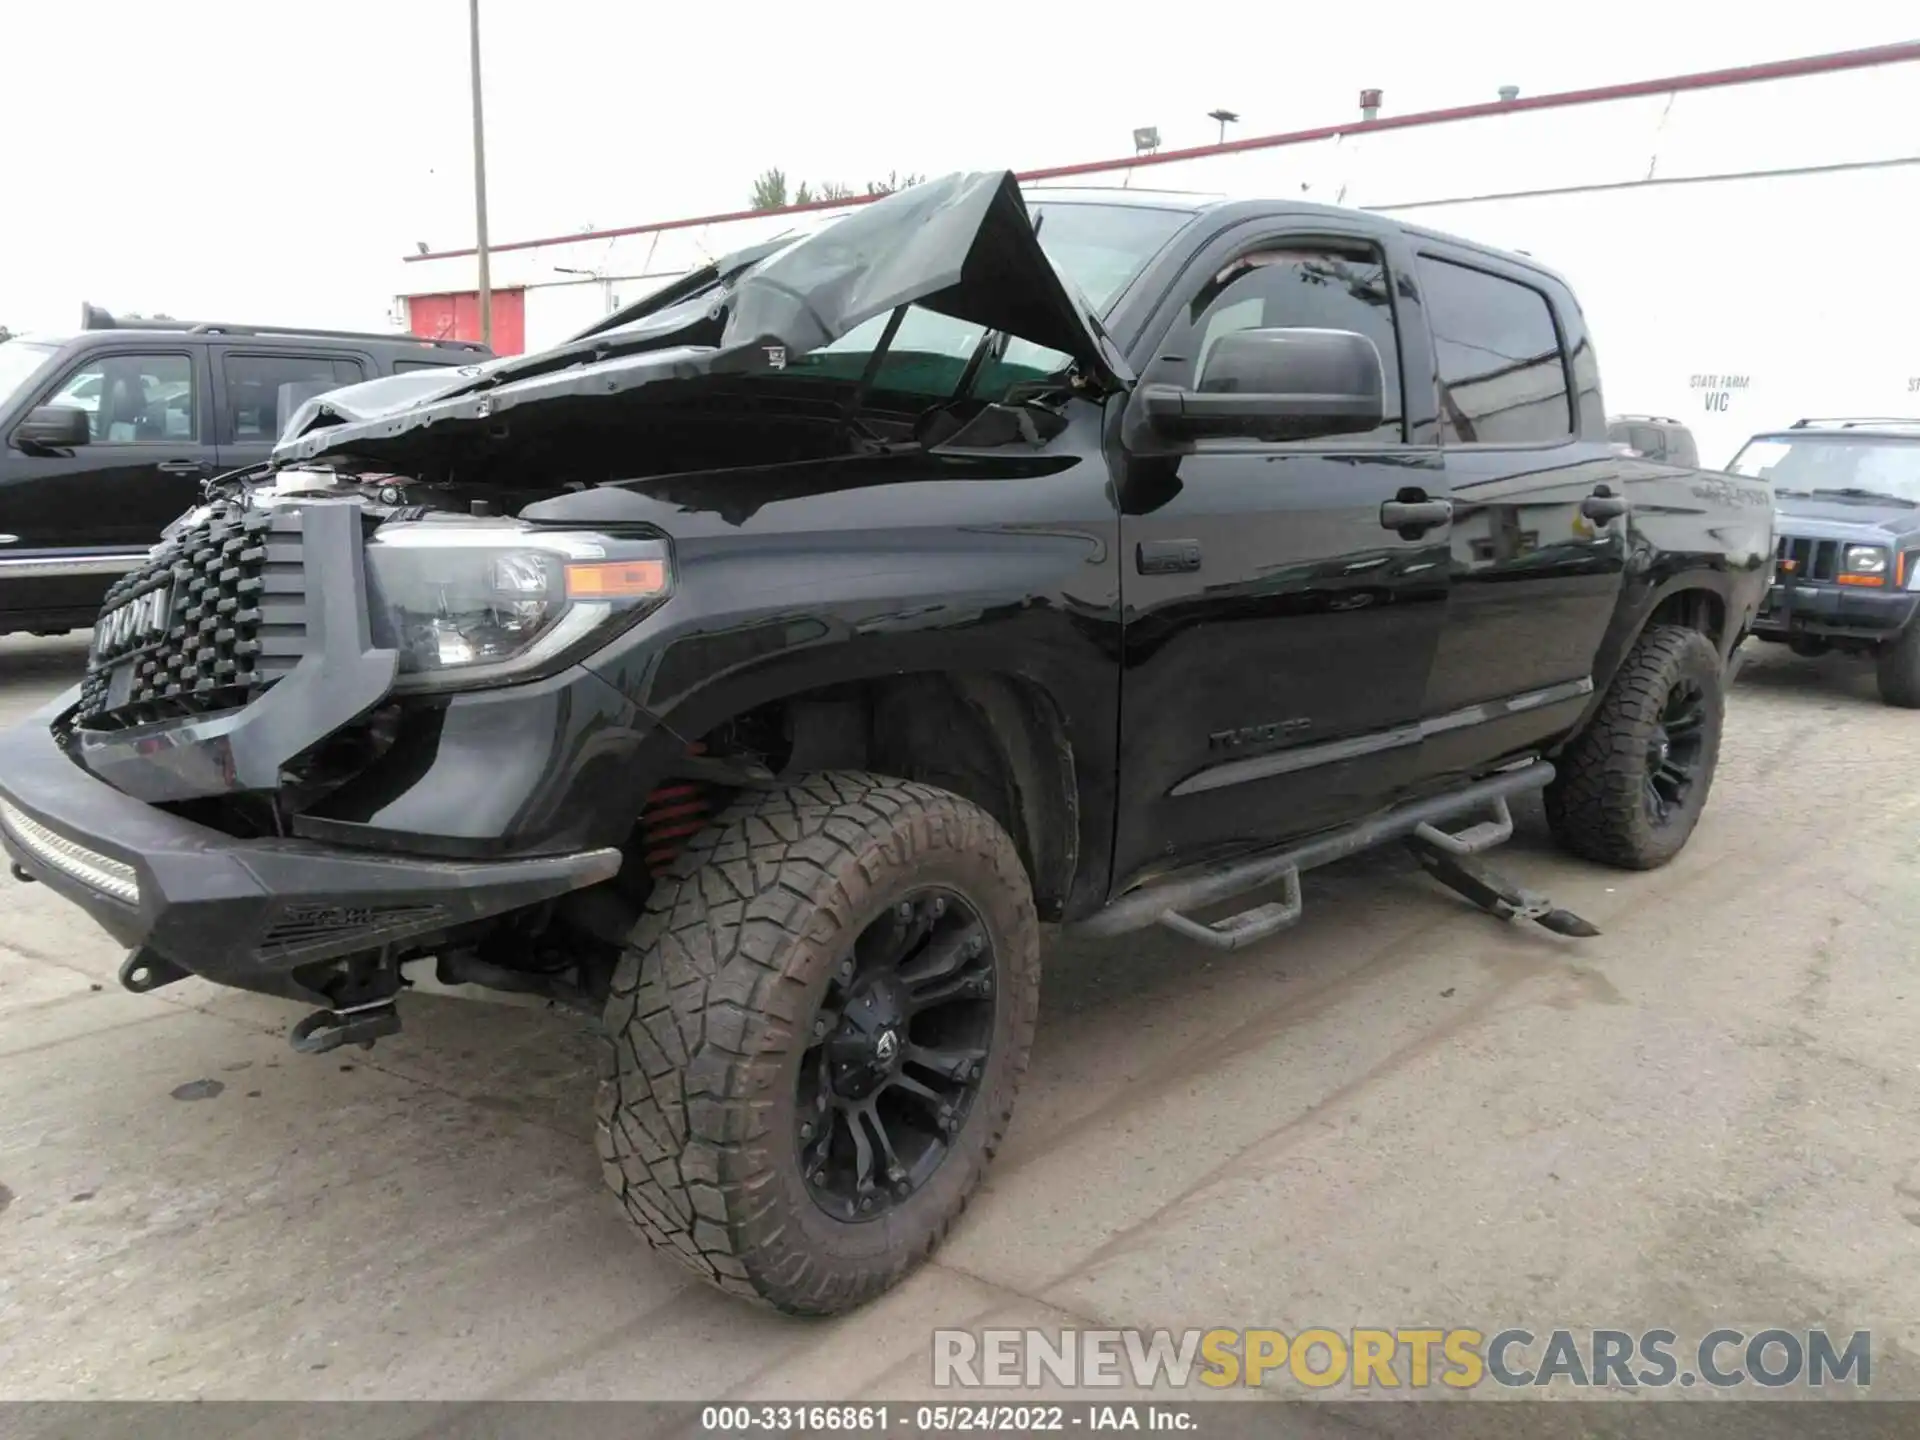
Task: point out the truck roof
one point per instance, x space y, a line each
1231 210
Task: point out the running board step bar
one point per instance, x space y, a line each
1164 902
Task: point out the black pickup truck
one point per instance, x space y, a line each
760 668
1847 562
110 431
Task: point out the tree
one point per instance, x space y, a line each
770 190
893 182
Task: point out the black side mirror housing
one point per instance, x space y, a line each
53 427
1276 384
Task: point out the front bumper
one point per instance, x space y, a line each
246 913
1833 610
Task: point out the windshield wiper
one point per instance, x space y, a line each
1856 493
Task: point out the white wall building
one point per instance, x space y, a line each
1739 238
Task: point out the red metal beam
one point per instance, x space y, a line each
1704 80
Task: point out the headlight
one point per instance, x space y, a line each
1863 565
472 603
1866 560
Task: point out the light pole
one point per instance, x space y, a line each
480 183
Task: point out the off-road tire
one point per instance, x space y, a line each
1595 806
1897 667
711 1008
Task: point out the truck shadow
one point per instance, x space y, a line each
1776 670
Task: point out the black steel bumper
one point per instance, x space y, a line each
1833 610
247 913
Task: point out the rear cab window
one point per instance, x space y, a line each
1499 358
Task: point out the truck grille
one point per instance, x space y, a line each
210 621
1812 559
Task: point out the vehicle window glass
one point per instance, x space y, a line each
1649 442
400 367
262 390
1502 378
1101 248
1817 463
1322 287
347 370
928 358
133 399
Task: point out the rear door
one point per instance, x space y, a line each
259 389
1277 632
73 520
1540 531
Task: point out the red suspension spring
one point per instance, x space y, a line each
673 815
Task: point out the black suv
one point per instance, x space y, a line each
1847 560
108 434
758 669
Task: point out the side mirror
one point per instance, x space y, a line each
52 427
1279 384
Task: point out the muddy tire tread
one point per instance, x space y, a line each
708 995
1594 803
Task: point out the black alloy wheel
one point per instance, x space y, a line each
1676 751
898 1054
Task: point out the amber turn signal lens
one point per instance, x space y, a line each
1787 567
616 579
1862 579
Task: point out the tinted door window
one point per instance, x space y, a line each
134 399
262 390
1502 377
1308 286
1649 442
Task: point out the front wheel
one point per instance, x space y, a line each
815 1036
1631 786
1898 668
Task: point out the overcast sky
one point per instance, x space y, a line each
263 160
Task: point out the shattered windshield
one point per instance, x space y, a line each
1861 465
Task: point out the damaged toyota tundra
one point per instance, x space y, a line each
758 670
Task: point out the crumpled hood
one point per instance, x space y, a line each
961 245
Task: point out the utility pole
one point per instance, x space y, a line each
480 184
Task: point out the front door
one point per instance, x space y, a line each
1278 630
73 520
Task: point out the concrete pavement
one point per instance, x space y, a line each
1400 1113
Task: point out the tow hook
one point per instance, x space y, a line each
360 1025
145 970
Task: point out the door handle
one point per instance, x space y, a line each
1415 514
182 467
1603 505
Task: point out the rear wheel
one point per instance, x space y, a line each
1631 786
815 1037
1898 667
